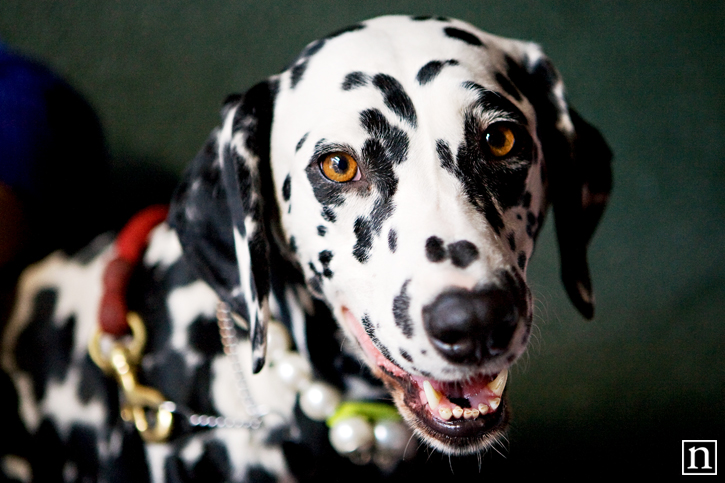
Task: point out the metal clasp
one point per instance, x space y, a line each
122 361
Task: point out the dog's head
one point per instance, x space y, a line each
404 165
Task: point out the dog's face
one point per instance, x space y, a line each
412 162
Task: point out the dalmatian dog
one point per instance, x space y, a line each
380 198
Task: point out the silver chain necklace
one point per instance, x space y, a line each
227 333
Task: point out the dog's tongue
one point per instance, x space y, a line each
444 400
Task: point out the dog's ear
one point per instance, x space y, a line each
578 169
221 209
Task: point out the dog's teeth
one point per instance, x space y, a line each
494 403
457 412
433 396
496 386
470 413
445 413
482 409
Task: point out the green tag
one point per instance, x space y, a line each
372 411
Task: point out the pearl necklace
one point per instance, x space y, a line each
361 431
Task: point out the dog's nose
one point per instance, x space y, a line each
471 327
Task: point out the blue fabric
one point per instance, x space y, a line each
24 127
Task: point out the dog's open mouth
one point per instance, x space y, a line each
456 417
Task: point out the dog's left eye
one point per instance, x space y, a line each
339 167
500 139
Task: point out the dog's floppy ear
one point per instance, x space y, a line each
578 169
220 209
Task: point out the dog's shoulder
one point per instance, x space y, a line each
45 359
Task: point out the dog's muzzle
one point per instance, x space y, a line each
478 331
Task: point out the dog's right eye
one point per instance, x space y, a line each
339 167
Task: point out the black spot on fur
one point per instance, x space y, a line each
351 28
301 142
512 241
370 331
313 48
522 260
329 214
318 275
526 199
354 80
435 249
467 37
168 369
203 336
422 18
393 139
445 156
258 474
297 72
392 240
315 282
287 188
462 253
82 447
396 98
95 385
321 230
540 81
430 70
531 224
44 348
401 308
213 465
293 244
364 234
405 355
325 257
507 86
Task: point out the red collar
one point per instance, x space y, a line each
129 247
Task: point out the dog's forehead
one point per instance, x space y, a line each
410 52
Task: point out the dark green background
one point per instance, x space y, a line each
626 388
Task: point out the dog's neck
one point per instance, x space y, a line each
164 274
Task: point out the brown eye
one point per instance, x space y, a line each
339 167
500 139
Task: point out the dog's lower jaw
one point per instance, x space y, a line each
455 435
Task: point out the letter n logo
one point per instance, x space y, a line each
699 457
